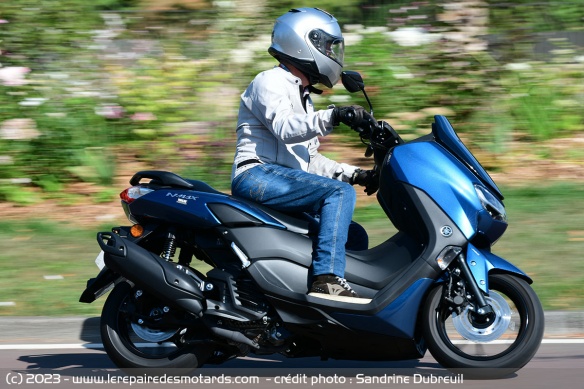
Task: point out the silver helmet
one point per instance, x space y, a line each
311 40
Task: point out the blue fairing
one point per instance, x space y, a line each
190 207
481 262
447 172
431 168
397 319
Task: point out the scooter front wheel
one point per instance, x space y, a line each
490 347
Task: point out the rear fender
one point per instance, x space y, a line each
482 262
100 285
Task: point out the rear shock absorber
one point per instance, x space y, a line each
169 247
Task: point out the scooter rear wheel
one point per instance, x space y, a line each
486 347
134 347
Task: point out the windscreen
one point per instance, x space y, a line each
446 136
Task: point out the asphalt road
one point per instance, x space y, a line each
28 366
36 353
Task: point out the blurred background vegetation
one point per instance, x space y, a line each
87 84
91 91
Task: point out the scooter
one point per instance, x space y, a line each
434 285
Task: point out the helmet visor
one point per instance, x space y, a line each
329 45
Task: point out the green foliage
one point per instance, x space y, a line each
174 99
342 10
546 99
61 153
38 33
163 87
486 95
59 98
534 16
18 195
111 5
96 165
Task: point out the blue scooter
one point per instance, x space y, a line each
435 285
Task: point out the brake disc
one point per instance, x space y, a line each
153 334
500 321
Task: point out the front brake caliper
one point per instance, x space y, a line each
454 292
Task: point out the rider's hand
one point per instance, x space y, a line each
353 116
367 178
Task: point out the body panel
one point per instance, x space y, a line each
431 168
481 262
396 319
190 207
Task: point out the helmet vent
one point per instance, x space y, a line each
323 11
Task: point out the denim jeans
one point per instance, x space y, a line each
293 190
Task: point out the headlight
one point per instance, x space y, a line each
491 204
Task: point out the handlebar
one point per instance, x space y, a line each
380 137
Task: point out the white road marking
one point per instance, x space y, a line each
54 277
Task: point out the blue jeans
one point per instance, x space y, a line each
293 190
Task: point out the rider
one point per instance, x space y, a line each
277 162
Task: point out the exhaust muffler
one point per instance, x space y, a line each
172 283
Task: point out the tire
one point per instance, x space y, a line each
130 351
492 350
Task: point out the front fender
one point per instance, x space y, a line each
482 262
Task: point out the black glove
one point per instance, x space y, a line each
353 116
367 178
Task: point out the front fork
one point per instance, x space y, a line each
468 283
467 288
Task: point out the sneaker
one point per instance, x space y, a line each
332 287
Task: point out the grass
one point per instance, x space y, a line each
32 250
545 239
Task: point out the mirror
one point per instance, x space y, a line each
352 81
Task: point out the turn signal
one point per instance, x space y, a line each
447 255
137 230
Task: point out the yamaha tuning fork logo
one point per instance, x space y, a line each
446 231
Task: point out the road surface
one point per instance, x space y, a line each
558 364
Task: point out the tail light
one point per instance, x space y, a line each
133 193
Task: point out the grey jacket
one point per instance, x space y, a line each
274 127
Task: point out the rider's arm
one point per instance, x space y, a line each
274 98
323 166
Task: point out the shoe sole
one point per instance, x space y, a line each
345 299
